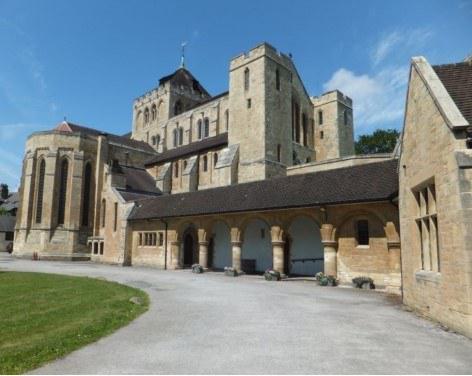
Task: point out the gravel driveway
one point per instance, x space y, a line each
210 323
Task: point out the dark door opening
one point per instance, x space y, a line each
189 250
287 256
211 249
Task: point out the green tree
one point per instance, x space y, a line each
381 141
4 191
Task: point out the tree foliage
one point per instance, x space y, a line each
381 141
4 191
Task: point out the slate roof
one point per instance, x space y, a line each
192 148
365 183
183 77
7 223
457 79
139 180
66 126
11 202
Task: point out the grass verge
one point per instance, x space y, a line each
46 316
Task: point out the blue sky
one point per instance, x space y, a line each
87 60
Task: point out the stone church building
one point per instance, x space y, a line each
264 176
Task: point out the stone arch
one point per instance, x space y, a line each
41 174
306 252
189 246
344 228
221 254
257 245
63 188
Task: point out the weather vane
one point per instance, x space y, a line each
182 58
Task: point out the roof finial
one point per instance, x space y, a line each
182 57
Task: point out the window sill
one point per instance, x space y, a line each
363 247
429 276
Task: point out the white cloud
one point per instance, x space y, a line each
377 99
398 42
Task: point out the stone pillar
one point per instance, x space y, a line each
278 243
328 233
174 243
236 242
393 284
203 248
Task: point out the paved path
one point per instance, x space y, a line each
215 324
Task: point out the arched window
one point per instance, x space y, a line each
346 119
146 115
61 209
362 232
158 139
175 137
215 159
297 122
178 108
246 79
153 140
104 212
185 165
154 112
40 191
199 128
176 169
305 130
277 79
181 136
279 153
227 119
86 194
205 163
320 117
207 127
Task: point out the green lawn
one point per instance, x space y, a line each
45 316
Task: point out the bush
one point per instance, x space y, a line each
230 271
363 282
197 268
332 281
272 275
319 276
323 281
326 280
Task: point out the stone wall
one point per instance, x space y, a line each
429 156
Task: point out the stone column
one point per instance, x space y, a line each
330 245
278 243
236 242
203 248
174 251
394 248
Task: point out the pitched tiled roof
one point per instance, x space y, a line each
139 180
182 77
457 79
364 183
11 202
192 148
66 126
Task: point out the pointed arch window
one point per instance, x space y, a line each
175 137
246 79
320 117
176 169
279 153
62 191
40 191
154 112
199 129
178 108
207 127
146 115
86 194
277 79
305 130
104 212
215 159
205 163
181 136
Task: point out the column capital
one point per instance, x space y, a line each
330 243
278 242
204 242
236 243
328 232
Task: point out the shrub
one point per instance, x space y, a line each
319 276
363 282
332 281
323 281
230 271
197 268
272 275
9 248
